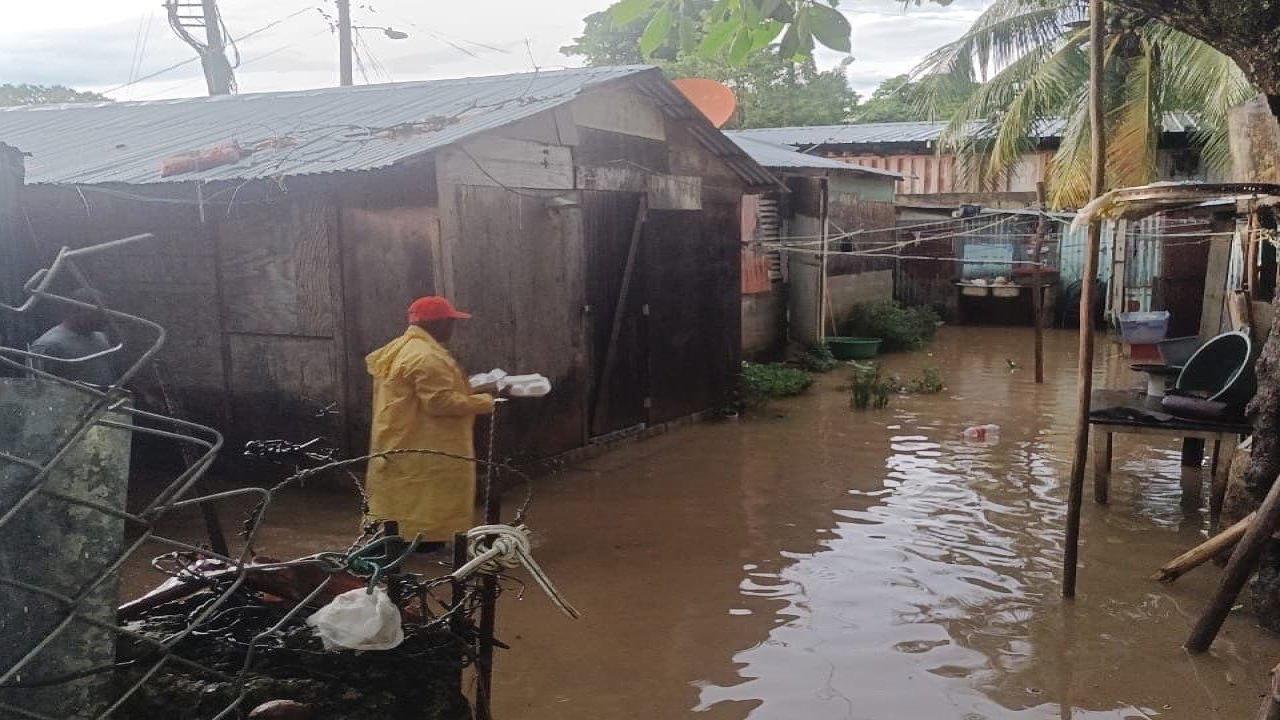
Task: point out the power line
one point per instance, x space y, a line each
191 60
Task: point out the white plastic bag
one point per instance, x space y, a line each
534 385
359 620
481 379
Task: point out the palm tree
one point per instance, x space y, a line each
1031 58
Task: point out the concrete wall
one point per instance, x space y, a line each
849 290
764 318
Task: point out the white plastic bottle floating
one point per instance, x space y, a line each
989 434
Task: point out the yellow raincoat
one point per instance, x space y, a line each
421 399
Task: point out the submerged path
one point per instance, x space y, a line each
819 563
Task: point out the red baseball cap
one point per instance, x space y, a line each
434 307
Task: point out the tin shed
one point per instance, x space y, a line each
588 218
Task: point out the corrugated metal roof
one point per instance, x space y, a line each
772 155
313 131
912 132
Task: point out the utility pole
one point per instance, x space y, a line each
188 15
344 42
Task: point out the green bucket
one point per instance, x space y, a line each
853 348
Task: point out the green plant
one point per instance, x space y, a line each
818 358
868 389
930 382
764 382
901 328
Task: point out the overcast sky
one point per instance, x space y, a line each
104 44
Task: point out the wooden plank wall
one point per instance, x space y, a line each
386 264
283 322
695 321
519 270
17 257
608 223
171 279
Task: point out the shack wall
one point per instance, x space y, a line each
171 279
274 299
17 257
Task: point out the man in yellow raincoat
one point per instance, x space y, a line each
422 400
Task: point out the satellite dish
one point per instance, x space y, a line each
714 99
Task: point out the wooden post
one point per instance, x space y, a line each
1242 564
1089 288
1037 290
1204 552
822 265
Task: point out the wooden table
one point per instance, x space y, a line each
1102 428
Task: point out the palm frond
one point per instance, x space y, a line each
1003 33
1199 80
1135 123
1069 176
1000 120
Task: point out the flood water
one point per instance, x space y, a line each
823 563
815 562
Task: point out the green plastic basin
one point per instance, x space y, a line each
853 348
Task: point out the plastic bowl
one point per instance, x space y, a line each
853 348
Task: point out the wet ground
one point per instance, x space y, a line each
817 562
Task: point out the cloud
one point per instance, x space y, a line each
84 44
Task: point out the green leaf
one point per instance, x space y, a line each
769 7
656 32
718 36
626 12
741 46
830 27
764 35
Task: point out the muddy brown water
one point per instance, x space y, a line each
821 563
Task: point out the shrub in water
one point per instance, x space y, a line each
901 328
818 358
868 389
764 382
930 382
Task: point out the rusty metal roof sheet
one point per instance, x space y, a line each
776 156
913 132
304 132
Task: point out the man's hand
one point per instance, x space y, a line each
490 388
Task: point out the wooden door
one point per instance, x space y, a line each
617 399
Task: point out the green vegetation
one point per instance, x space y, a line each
868 389
901 328
899 99
762 382
1031 57
772 90
26 94
818 358
734 29
929 382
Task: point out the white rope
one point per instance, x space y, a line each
493 548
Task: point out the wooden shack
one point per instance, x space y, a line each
800 295
293 228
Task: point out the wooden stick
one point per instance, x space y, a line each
1203 553
1088 289
1270 708
1037 296
1242 564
